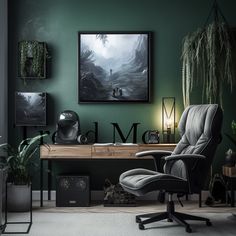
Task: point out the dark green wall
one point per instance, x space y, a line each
57 23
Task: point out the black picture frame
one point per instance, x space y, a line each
153 136
30 108
114 67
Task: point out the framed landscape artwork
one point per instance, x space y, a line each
114 67
30 108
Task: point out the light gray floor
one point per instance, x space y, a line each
118 224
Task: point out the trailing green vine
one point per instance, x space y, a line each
32 59
207 61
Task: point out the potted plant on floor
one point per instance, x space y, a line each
19 161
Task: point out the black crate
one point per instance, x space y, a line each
73 191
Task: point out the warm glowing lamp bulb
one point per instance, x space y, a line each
168 123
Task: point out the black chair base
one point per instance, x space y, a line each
170 215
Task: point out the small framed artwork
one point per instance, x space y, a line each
30 108
114 67
153 136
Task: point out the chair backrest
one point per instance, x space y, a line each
200 131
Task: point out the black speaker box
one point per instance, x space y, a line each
72 191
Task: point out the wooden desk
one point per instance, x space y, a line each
98 151
91 152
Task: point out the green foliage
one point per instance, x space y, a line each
31 59
232 138
233 126
207 61
19 159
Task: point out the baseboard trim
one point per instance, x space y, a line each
95 195
99 195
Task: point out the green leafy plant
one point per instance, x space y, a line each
18 159
207 60
32 58
232 138
233 126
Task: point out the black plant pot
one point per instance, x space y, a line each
18 198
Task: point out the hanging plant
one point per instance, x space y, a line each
207 60
32 59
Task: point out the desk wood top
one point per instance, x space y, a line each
99 151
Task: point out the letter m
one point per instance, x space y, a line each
123 138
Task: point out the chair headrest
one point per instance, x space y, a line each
201 120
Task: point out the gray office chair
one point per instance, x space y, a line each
185 169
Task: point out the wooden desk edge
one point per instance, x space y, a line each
89 151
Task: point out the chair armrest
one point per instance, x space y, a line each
157 156
184 157
156 153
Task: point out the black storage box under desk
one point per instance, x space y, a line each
72 191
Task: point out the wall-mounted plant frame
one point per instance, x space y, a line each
32 57
114 67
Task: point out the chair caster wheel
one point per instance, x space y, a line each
169 220
188 230
141 226
208 223
137 219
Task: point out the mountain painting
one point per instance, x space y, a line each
114 67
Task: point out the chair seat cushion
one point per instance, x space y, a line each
141 181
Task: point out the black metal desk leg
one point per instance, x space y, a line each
200 199
41 183
49 179
232 192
